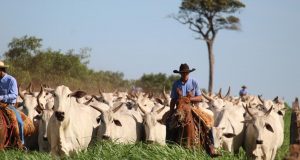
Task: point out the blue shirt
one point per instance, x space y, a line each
8 89
243 92
189 85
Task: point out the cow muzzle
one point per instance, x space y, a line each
60 115
45 139
259 141
105 137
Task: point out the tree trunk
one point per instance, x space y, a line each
211 60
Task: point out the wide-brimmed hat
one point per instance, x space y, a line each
2 65
243 86
184 68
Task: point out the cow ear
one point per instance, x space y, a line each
117 122
160 101
269 127
98 119
37 117
161 121
38 109
77 94
229 135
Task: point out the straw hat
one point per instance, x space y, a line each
2 65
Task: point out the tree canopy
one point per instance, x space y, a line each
30 63
206 18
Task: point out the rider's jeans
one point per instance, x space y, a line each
20 122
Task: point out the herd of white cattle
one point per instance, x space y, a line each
69 121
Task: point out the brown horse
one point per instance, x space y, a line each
185 127
9 130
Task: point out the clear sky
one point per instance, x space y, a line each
136 37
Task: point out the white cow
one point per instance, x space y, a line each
45 106
71 126
28 107
121 127
263 135
229 131
155 128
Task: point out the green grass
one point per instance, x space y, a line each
112 151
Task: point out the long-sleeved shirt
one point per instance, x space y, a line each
8 89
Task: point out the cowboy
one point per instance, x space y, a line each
243 93
188 86
8 95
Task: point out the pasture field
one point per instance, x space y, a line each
110 151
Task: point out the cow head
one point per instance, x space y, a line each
29 101
155 128
216 104
261 124
108 120
64 99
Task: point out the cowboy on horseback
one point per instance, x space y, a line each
188 87
8 96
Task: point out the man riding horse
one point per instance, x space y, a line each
11 119
185 93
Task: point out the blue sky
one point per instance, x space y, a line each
136 37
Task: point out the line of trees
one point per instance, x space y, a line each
30 63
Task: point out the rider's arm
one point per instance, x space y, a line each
172 104
196 98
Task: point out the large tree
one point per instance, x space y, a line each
207 17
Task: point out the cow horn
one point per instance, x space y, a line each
101 93
30 88
142 109
276 100
20 92
228 93
116 92
261 100
89 101
220 93
251 100
161 109
38 98
98 99
115 109
247 110
96 108
269 111
165 94
150 96
205 96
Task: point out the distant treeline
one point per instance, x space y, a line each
28 62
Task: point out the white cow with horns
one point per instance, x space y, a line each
71 126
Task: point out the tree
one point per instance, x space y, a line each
21 51
207 17
156 82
